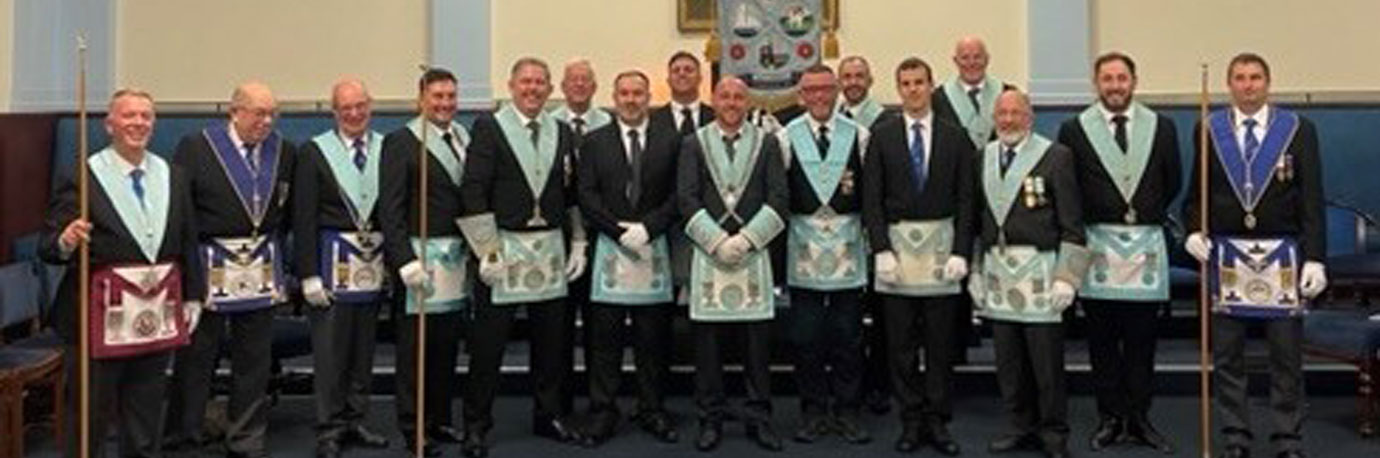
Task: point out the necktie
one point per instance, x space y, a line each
917 155
823 140
687 122
1120 122
137 175
972 97
635 162
579 124
449 140
253 156
1251 144
535 127
843 109
360 158
1007 157
728 146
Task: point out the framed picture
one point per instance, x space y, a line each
697 16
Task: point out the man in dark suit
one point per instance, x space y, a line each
518 197
1128 169
968 99
627 182
1249 205
439 282
339 257
240 174
140 220
684 113
918 209
1033 259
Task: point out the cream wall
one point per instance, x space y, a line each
6 52
198 50
618 34
1318 45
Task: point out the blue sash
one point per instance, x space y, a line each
979 124
358 189
1255 277
450 287
1002 191
627 278
351 265
1250 180
146 222
1128 263
536 161
243 274
823 173
865 113
1125 168
595 117
438 149
255 190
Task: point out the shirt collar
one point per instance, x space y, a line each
350 141
693 106
1262 117
1017 147
1107 114
927 120
127 167
968 87
641 128
814 124
235 137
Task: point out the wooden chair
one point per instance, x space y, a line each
32 363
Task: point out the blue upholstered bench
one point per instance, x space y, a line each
1348 335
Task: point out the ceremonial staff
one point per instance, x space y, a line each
420 296
1204 306
83 265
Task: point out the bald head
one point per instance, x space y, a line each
351 104
1013 117
970 56
252 110
730 102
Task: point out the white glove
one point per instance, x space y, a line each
575 263
1313 280
413 275
192 312
634 235
886 266
956 268
314 293
491 269
1198 246
733 250
1062 294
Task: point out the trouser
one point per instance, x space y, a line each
826 330
489 335
710 398
1030 374
342 341
912 322
127 392
251 351
651 343
1285 338
1121 347
443 334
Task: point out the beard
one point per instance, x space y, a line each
1116 102
1011 137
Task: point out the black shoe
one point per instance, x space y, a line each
1235 451
328 449
1013 441
1291 454
1108 432
848 428
253 454
601 428
1060 450
877 402
475 445
557 429
711 433
911 438
361 436
1142 432
815 427
659 425
764 436
445 434
941 440
429 450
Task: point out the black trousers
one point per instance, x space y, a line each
251 351
443 334
126 393
912 322
489 333
1121 346
876 379
710 343
1284 337
826 331
651 343
1030 374
342 341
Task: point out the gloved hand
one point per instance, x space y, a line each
634 235
413 274
1198 246
1313 280
491 269
191 311
1062 294
733 250
575 262
886 266
314 293
956 268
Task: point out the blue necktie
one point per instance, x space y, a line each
360 158
137 175
1251 144
252 156
1007 157
917 155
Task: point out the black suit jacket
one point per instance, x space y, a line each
889 190
112 243
317 204
1058 220
662 115
219 211
766 187
494 181
604 173
1102 202
944 109
1289 207
398 209
803 199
